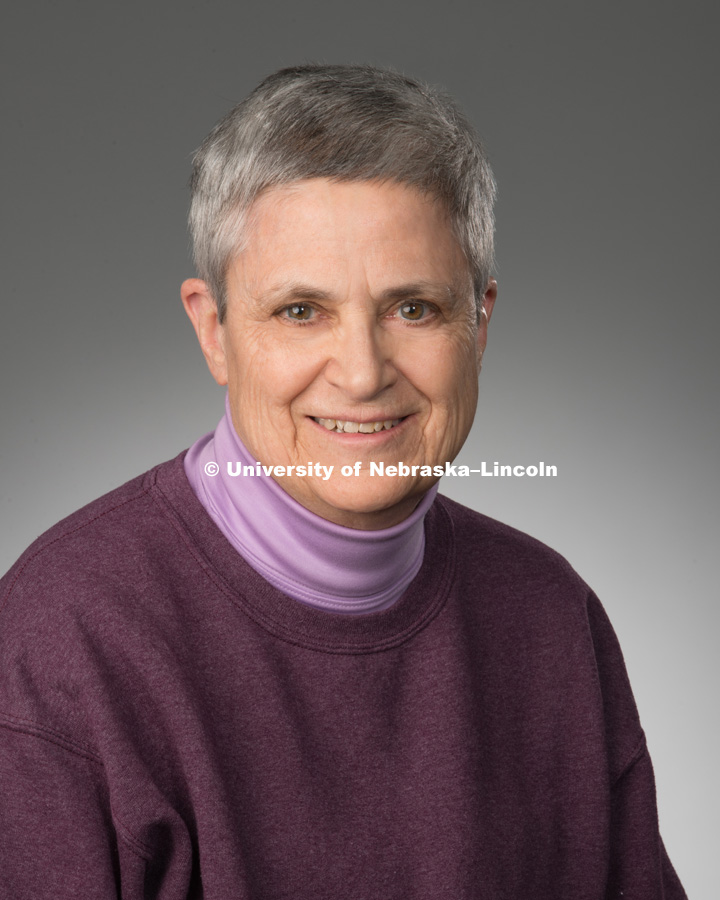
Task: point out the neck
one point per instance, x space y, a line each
303 555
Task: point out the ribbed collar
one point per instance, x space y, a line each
301 554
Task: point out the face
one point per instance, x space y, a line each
351 336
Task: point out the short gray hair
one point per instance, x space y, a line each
347 123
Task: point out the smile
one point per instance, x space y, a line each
347 427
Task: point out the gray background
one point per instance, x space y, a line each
601 121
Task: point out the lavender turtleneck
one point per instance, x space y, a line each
303 555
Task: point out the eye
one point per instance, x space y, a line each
414 311
298 312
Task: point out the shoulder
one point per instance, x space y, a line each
502 555
92 586
519 591
538 619
102 534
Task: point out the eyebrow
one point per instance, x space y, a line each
295 290
437 290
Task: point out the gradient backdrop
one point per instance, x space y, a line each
602 123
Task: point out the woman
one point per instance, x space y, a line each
280 665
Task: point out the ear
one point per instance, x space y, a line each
489 298
202 310
486 308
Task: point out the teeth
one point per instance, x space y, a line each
340 426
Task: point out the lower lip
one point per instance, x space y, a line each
354 438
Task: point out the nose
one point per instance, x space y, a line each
360 362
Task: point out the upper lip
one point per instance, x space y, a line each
362 420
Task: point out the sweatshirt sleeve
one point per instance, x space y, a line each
56 835
639 867
61 817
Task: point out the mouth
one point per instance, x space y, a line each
345 426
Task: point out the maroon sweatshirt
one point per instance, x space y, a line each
172 726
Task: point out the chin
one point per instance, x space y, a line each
369 509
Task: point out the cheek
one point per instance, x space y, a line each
453 394
448 377
271 379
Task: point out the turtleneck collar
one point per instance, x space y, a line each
305 556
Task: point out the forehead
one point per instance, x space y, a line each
382 227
